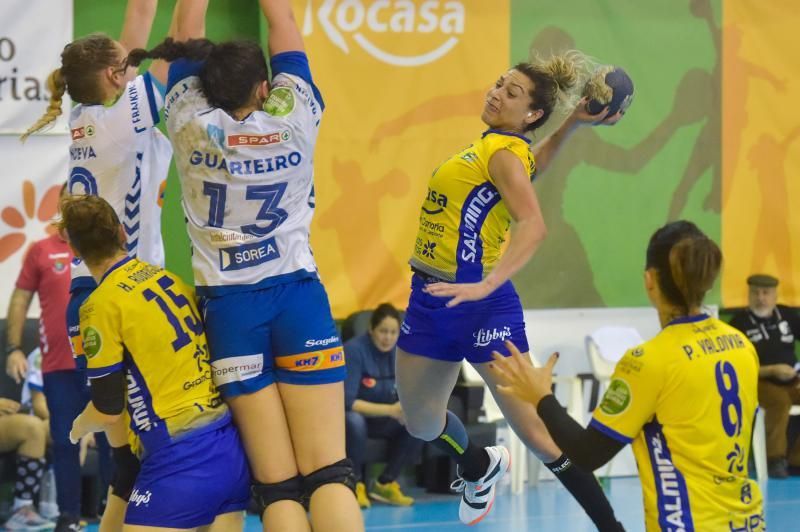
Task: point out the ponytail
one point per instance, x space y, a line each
82 60
231 70
694 264
170 50
687 263
596 87
564 69
554 81
57 87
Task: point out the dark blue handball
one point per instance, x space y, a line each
621 86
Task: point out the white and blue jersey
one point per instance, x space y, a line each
248 196
33 379
119 155
248 186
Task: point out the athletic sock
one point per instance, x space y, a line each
29 478
453 441
587 491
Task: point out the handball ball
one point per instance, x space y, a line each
609 86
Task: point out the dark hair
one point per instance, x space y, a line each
230 72
550 79
687 263
81 63
92 227
384 310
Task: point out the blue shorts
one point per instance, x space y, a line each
191 481
77 296
470 330
283 333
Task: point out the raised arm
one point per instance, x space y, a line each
159 68
191 19
546 149
188 22
284 35
139 16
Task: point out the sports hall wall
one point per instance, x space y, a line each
712 136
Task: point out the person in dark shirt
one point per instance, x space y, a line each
774 329
373 409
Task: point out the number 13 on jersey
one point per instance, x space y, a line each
252 254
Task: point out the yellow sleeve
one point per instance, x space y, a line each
101 328
521 150
632 395
516 146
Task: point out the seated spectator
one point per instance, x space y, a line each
774 329
26 436
34 403
373 410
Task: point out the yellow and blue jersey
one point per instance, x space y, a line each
463 222
687 400
143 320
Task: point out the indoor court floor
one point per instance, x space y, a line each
549 508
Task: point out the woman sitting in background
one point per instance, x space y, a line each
373 409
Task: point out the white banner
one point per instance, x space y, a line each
32 175
32 36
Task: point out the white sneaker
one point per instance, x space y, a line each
27 519
478 497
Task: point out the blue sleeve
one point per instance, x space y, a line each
151 84
296 64
181 69
352 383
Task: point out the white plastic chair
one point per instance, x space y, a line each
521 462
605 347
759 448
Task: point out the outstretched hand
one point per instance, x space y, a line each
518 378
582 115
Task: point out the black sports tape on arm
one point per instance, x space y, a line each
108 393
588 448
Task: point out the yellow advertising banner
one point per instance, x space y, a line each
761 147
403 84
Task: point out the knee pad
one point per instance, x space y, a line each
125 472
339 473
287 490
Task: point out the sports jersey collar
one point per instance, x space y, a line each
114 267
689 319
507 133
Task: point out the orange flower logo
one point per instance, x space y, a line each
32 223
